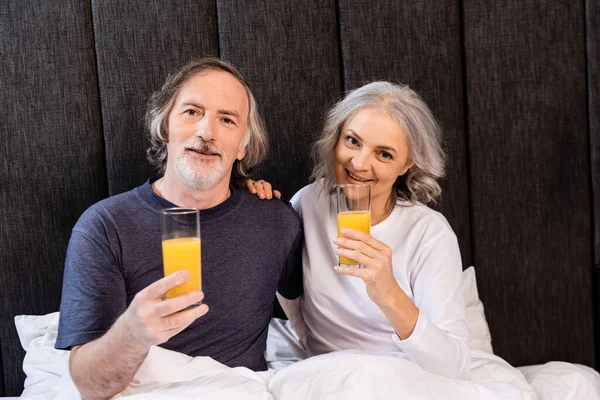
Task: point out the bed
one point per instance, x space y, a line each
348 374
513 84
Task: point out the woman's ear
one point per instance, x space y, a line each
406 167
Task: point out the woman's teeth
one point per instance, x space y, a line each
356 178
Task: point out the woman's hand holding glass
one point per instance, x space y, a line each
376 258
377 273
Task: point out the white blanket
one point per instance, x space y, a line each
340 375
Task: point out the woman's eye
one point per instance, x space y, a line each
386 156
351 140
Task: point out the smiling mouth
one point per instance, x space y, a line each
204 152
357 178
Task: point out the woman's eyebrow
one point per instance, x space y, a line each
383 147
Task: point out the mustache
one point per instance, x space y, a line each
203 147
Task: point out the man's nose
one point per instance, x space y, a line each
205 129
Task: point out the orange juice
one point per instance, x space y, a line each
359 220
183 254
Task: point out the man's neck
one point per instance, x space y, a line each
176 192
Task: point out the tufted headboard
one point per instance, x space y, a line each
514 84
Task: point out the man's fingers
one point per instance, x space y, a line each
159 288
277 194
176 304
181 320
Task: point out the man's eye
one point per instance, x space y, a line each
228 121
191 112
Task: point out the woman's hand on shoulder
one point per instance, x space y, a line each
262 189
376 259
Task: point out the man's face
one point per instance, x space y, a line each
207 127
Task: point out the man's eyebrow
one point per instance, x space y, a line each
193 104
229 112
222 112
386 148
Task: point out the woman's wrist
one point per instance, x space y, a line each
400 311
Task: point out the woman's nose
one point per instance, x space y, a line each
359 161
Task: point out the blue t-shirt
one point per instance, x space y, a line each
250 250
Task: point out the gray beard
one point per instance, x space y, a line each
197 174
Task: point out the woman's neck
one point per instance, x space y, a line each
380 209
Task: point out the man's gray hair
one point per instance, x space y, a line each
420 183
160 105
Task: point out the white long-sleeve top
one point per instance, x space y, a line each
426 260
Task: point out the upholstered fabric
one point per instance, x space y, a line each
593 85
514 85
52 155
529 167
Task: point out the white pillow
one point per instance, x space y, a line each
43 364
479 331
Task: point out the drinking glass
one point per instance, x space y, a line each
353 211
181 247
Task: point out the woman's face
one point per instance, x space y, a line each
372 149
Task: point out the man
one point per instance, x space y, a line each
206 136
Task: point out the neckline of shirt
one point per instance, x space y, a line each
157 203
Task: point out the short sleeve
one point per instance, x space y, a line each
290 285
94 293
297 199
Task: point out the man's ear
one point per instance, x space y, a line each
242 153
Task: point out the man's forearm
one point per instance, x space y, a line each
104 367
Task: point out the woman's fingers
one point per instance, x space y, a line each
357 245
355 255
363 237
250 185
267 190
361 273
262 189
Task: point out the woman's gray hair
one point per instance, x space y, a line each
160 105
420 183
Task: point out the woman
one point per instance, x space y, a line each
408 298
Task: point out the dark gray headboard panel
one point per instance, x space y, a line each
138 42
52 155
530 174
417 43
593 85
507 80
288 51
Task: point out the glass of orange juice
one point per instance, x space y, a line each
181 247
353 211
